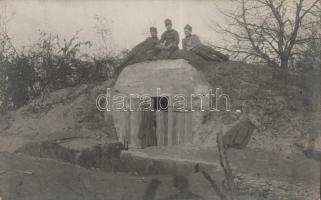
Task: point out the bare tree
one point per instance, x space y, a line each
104 34
7 49
269 31
7 53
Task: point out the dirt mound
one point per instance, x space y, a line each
62 113
281 105
286 106
66 126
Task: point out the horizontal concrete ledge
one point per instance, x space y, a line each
255 171
144 164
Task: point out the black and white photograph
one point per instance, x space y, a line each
160 99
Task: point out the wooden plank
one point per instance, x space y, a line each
188 128
147 131
161 130
175 127
170 126
181 127
126 130
127 127
119 118
135 120
165 120
159 134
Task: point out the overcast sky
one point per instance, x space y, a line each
127 20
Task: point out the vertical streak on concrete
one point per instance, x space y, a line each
159 133
170 126
161 123
165 128
135 120
175 128
128 127
188 128
180 127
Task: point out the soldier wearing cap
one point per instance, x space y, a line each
147 47
169 40
191 42
143 51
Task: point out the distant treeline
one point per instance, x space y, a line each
52 63
49 64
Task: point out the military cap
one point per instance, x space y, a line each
153 29
188 27
168 21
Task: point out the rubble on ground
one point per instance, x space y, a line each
66 126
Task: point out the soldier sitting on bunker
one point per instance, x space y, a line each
168 42
191 42
143 51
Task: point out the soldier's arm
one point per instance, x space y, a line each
162 39
184 44
176 38
197 40
140 45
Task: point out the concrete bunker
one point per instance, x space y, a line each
162 82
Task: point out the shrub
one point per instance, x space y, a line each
49 64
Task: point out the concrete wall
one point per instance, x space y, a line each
172 77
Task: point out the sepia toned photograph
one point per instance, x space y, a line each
160 99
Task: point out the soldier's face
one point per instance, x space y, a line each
153 34
187 32
168 27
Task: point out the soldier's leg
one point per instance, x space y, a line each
203 52
163 54
151 54
211 51
171 50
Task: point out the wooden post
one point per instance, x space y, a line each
225 163
165 130
161 129
170 126
174 128
128 127
180 127
135 120
188 138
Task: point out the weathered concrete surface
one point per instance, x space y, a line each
171 76
156 79
26 178
85 152
257 172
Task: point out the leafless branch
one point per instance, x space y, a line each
266 29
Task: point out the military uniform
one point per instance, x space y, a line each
143 51
191 42
194 44
169 42
170 38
